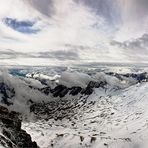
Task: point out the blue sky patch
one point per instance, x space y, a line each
25 26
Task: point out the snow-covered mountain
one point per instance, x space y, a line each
67 32
92 90
75 108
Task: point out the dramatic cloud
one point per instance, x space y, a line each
45 7
134 19
109 9
135 44
135 49
50 31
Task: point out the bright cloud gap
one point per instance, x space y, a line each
24 26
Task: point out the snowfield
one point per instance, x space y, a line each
80 108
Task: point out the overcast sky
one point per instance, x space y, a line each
54 32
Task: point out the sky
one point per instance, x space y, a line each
67 32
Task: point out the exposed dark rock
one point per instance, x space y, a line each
13 135
20 138
58 109
6 142
81 138
46 90
105 144
75 91
7 93
59 91
93 139
63 92
139 77
60 135
87 91
93 84
142 77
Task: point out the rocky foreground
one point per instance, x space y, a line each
12 136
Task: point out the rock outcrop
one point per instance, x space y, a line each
7 93
61 90
12 136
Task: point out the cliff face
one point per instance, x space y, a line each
12 136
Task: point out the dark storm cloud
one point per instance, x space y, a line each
46 7
10 54
136 44
142 5
60 55
119 12
109 9
135 50
136 10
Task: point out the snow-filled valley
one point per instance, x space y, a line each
62 107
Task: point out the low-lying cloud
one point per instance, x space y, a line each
59 55
134 44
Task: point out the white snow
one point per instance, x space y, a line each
125 128
117 119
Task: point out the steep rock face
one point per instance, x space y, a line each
7 93
12 136
61 90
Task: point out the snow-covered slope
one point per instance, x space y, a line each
77 109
